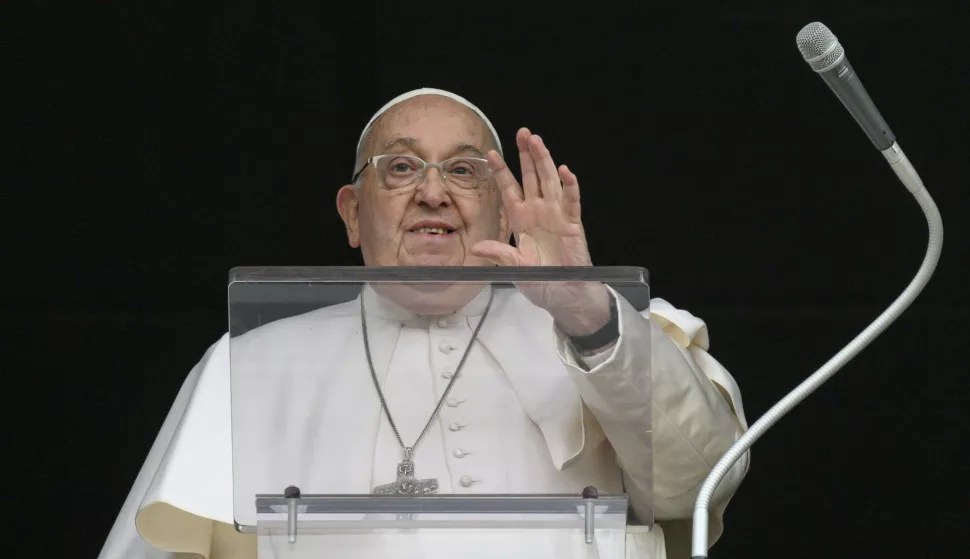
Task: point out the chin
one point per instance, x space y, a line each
431 298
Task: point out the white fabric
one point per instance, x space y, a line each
430 91
538 420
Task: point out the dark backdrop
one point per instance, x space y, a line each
156 146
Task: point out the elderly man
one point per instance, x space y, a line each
431 188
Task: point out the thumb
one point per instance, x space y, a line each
499 253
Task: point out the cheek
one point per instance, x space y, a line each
383 217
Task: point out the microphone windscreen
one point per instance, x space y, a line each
819 46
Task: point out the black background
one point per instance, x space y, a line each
156 146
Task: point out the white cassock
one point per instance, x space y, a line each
503 429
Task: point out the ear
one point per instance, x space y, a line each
347 207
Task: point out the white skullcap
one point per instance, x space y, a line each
430 91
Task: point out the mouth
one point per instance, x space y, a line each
430 229
433 230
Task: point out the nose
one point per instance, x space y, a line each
432 191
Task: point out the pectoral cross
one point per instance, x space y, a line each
406 483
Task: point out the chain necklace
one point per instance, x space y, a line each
407 483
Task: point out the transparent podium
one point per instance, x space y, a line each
432 412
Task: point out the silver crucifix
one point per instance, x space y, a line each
406 483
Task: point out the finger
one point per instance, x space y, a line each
498 253
546 169
530 180
507 185
570 194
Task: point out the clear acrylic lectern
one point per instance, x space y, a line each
513 456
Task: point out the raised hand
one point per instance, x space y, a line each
544 215
544 212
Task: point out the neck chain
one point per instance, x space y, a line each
407 483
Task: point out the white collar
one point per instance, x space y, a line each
379 306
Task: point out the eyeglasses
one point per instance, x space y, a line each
397 172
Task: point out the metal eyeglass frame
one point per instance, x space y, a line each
422 172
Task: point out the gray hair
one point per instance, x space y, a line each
359 159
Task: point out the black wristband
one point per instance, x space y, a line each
602 337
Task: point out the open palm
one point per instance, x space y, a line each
544 215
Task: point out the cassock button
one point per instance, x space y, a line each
445 347
446 322
447 374
466 481
452 402
454 426
459 453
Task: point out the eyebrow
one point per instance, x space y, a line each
462 148
411 143
406 141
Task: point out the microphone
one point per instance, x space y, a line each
823 52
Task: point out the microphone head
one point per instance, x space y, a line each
819 47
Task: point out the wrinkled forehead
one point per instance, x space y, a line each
431 122
426 99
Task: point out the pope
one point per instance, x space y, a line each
443 383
